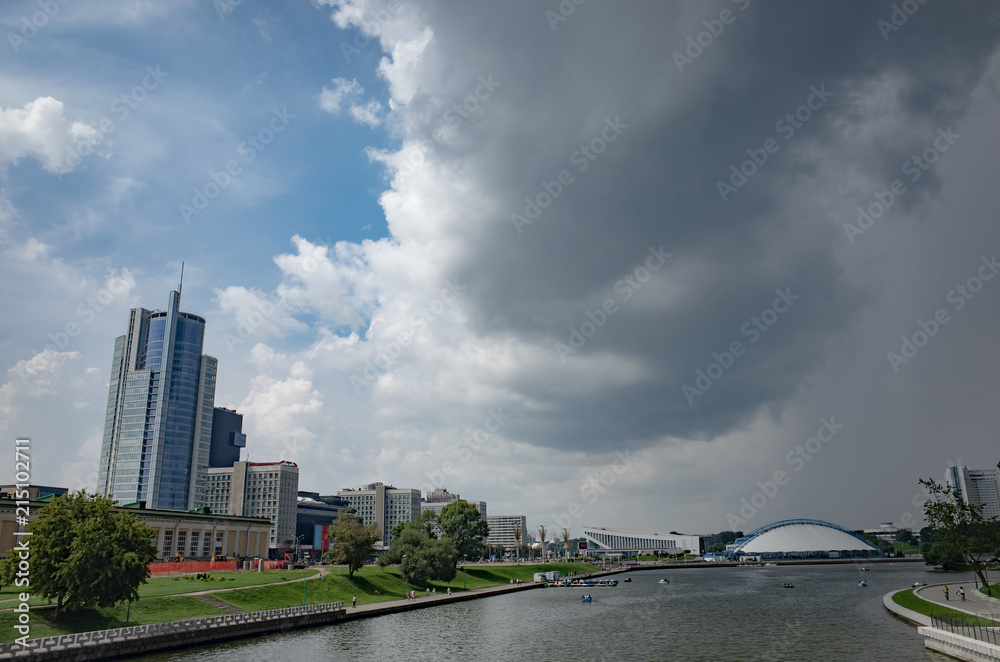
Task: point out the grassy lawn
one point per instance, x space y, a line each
144 612
157 586
910 601
387 581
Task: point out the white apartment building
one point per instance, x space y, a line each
502 529
383 505
977 486
257 489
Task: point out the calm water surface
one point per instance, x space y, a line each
703 614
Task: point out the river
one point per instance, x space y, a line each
702 614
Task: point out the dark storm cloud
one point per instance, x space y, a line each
671 137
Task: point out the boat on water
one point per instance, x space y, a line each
787 585
586 598
663 581
628 579
588 583
862 583
864 569
915 584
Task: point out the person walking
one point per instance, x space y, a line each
946 593
961 593
354 602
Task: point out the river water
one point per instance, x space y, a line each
702 614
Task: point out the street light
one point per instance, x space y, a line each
298 555
402 571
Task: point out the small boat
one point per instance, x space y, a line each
915 584
628 579
586 598
663 581
865 569
862 583
787 585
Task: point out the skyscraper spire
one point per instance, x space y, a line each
181 284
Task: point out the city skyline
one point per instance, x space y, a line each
689 266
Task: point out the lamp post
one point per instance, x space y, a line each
402 572
298 555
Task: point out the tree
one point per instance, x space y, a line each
464 526
961 527
904 536
8 568
85 554
926 534
426 521
427 558
350 542
943 555
517 539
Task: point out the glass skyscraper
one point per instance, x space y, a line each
158 425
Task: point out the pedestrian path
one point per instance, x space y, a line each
975 602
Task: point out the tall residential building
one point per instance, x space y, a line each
384 506
158 423
977 486
257 489
502 530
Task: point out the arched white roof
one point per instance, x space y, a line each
804 536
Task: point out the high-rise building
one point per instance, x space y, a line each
257 489
384 506
227 438
502 530
977 486
158 424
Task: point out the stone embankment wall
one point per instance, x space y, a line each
143 639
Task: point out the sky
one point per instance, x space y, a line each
674 266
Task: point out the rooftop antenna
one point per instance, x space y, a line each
181 284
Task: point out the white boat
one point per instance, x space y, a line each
663 581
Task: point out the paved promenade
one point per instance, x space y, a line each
975 602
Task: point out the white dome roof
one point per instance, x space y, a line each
812 536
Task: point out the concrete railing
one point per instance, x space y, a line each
958 646
191 631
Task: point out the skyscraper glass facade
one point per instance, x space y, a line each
158 425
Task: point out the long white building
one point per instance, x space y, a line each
602 540
502 528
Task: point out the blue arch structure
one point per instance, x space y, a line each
740 542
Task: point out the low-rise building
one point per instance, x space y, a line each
196 535
617 541
257 489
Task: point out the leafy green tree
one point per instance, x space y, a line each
426 521
943 555
85 554
464 526
427 558
960 527
904 536
350 542
8 568
926 534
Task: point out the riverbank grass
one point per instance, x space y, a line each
144 612
338 587
915 603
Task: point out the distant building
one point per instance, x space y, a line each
313 513
436 501
886 531
502 529
35 492
227 438
606 541
802 539
384 506
158 422
977 486
257 489
193 535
